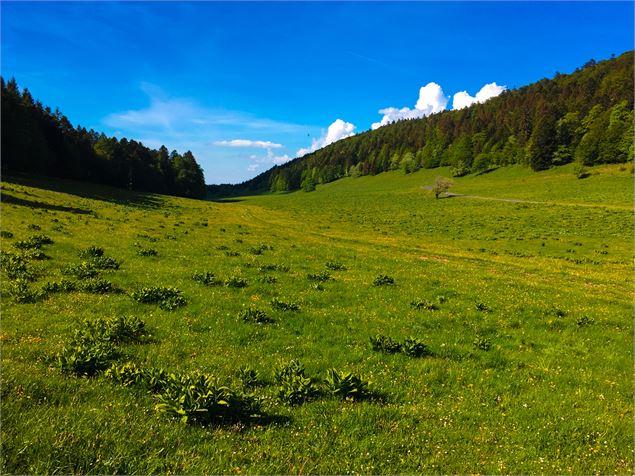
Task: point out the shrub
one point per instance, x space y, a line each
284 306
15 267
335 266
98 286
6 234
116 330
103 262
82 270
235 282
255 315
153 379
34 241
585 321
207 278
86 358
383 280
482 343
64 286
296 389
91 252
147 252
320 277
284 371
248 377
346 385
422 304
33 253
21 292
382 343
415 348
168 298
199 399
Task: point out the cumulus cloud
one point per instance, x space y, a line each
258 144
463 99
338 130
431 100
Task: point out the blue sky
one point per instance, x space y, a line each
248 85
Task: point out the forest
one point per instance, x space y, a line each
586 116
39 141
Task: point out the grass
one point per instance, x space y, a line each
531 344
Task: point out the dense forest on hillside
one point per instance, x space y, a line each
586 116
39 141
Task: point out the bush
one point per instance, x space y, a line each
207 278
154 380
235 282
482 343
82 270
248 377
91 252
320 277
98 286
86 358
422 304
199 399
116 330
255 315
335 266
346 385
21 292
296 389
284 306
103 262
168 298
147 252
34 241
6 234
415 348
284 371
64 286
383 280
385 344
15 267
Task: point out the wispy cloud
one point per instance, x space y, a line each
258 144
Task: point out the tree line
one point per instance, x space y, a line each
37 140
586 116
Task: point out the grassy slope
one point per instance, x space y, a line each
550 395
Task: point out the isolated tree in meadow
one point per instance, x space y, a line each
441 185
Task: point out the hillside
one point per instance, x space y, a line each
494 328
586 116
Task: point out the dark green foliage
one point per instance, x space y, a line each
422 304
284 306
35 241
21 292
268 279
147 252
538 125
116 330
128 374
319 277
91 252
585 321
335 266
385 344
82 270
248 377
284 371
273 267
415 348
98 286
255 315
482 343
6 234
38 140
482 307
258 250
198 398
383 280
207 278
168 298
15 267
235 282
86 358
294 386
103 262
64 286
346 385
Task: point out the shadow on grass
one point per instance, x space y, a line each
89 190
6 198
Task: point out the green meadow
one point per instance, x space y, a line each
489 332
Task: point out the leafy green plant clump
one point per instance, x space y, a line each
422 304
91 252
385 344
34 241
319 277
346 385
235 282
207 278
168 298
147 252
256 316
335 266
284 306
383 280
411 346
294 386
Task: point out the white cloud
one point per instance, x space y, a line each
431 100
258 144
338 130
268 159
463 99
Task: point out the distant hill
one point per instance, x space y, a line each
39 141
586 116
